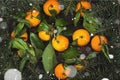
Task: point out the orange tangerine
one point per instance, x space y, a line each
97 41
82 6
51 5
33 20
44 35
34 13
60 43
32 17
82 36
24 36
60 71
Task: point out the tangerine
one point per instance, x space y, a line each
32 17
60 71
83 5
44 35
33 20
51 5
82 36
79 66
97 41
34 13
24 35
60 43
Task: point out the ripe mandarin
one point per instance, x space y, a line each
60 71
82 36
32 18
24 36
97 41
83 5
60 43
51 5
44 35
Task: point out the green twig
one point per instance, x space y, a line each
68 7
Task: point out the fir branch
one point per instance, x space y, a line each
31 69
68 7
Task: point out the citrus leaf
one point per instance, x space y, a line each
31 54
74 43
59 30
70 53
22 53
26 22
22 64
90 23
18 28
31 51
68 32
36 42
38 53
106 51
53 12
92 55
32 59
18 44
77 18
43 26
60 22
71 61
49 58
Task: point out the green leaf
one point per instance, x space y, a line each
77 18
26 22
70 53
38 53
53 12
49 58
71 61
22 64
90 23
18 28
36 42
105 50
18 44
60 22
68 31
74 43
32 59
43 26
31 55
31 51
92 55
22 53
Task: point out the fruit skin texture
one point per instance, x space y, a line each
97 41
24 36
60 71
60 43
51 5
43 35
82 5
79 66
34 13
32 18
82 36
